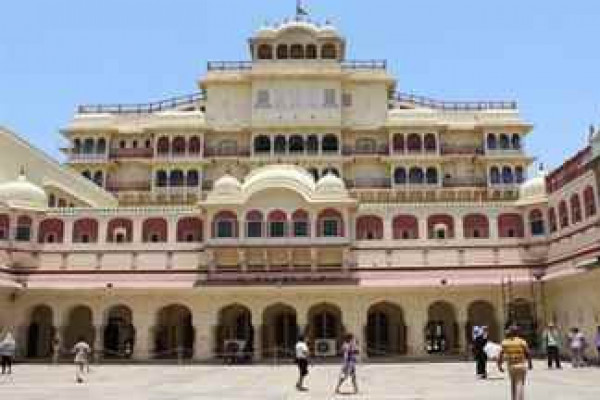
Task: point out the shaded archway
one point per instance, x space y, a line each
85 230
386 330
79 325
51 231
482 313
325 329
279 331
154 230
441 332
235 333
189 229
521 313
174 332
40 332
119 332
369 227
476 226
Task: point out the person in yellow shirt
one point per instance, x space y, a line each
516 353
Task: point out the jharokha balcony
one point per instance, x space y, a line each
368 183
473 181
227 152
128 186
382 150
466 150
141 152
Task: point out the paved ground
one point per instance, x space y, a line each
378 381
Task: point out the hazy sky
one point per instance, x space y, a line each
544 54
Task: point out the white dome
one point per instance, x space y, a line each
227 185
330 184
23 194
534 189
280 174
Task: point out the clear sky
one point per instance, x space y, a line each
544 54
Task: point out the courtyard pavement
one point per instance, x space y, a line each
377 381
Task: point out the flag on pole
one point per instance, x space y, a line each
300 9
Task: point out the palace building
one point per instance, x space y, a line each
299 191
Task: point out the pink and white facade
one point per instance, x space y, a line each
294 192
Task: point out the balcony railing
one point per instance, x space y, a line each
457 149
143 108
178 156
229 65
142 152
379 150
369 183
87 157
128 186
465 182
364 64
226 152
452 105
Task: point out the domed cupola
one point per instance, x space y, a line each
227 185
330 185
23 194
533 190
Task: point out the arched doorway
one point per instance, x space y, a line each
40 332
521 313
325 329
482 313
279 331
235 333
79 326
441 332
119 332
385 330
174 332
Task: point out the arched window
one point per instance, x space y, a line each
504 142
330 144
87 174
194 145
589 201
282 52
507 175
405 227
476 226
176 178
536 223
179 145
413 143
330 223
431 176
563 214
575 208
88 146
296 52
225 225
76 146
161 178
440 226
415 176
262 144
192 178
279 144
312 144
265 52
301 224
101 146
189 229
494 176
4 226
332 171
296 144
519 174
430 143
492 144
315 173
398 143
98 178
119 230
51 231
254 224
277 221
400 176
85 231
510 226
369 227
163 146
62 202
328 51
154 230
51 200
23 233
516 141
311 51
552 220
366 146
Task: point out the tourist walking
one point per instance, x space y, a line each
480 340
8 347
577 345
597 344
553 343
301 359
82 352
350 354
516 353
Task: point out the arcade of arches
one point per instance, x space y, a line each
385 327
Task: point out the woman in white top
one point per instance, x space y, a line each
82 351
301 358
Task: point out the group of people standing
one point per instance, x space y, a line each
350 352
552 342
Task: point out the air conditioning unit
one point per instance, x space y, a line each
325 347
234 347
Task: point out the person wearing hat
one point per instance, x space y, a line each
515 351
552 342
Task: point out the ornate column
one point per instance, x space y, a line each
462 320
205 322
458 226
257 339
493 221
143 319
68 234
416 320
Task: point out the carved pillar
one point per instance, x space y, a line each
416 317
